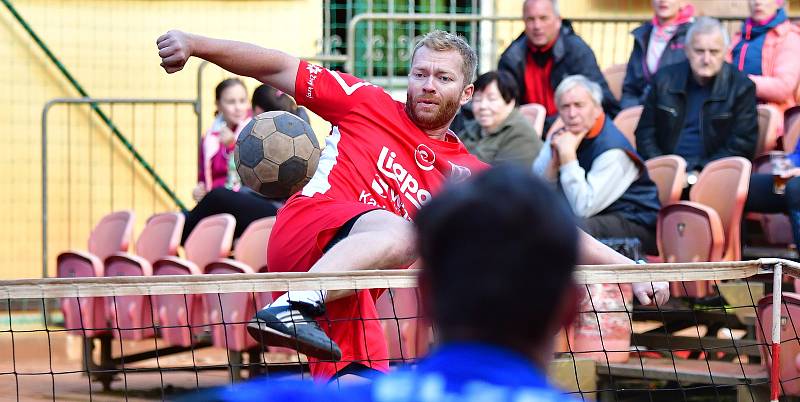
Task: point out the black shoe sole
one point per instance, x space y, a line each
263 334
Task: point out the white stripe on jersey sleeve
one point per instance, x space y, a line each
327 160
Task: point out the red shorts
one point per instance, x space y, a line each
304 226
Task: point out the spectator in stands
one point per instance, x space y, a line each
244 204
267 98
768 51
217 144
658 43
492 347
702 109
761 196
602 177
548 51
499 133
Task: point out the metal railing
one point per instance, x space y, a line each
121 150
609 37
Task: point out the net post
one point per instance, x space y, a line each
777 279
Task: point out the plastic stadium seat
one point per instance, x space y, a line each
407 335
627 120
237 308
668 172
790 347
182 316
707 228
791 128
615 76
86 315
535 114
769 124
776 227
133 315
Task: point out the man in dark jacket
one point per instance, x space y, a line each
657 43
703 109
546 53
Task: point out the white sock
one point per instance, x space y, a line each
313 297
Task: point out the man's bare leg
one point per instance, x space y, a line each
377 240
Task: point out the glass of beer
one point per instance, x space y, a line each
780 164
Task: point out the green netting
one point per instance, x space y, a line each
382 48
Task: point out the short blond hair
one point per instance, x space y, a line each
442 41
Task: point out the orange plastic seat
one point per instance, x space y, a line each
180 317
133 315
615 77
776 227
668 172
791 128
535 114
405 331
627 120
229 312
770 121
790 347
707 228
87 315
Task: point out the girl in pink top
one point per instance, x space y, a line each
217 144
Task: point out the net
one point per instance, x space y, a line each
157 337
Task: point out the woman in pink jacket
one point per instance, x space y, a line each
216 147
768 51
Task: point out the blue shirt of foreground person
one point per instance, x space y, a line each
497 285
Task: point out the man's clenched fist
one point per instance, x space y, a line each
174 50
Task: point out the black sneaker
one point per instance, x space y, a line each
294 327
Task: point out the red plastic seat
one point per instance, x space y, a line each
86 315
707 228
183 316
776 227
770 121
627 120
791 128
615 77
790 346
668 172
405 331
535 114
133 315
229 312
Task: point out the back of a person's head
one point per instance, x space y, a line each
270 99
498 251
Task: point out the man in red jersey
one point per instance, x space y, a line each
382 161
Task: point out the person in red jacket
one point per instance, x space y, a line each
768 50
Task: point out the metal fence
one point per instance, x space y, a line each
160 152
379 45
102 155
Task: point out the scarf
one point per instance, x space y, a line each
662 34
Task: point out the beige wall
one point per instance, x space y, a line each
109 46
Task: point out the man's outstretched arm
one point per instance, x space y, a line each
272 67
592 252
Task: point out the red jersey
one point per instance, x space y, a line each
375 157
375 154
